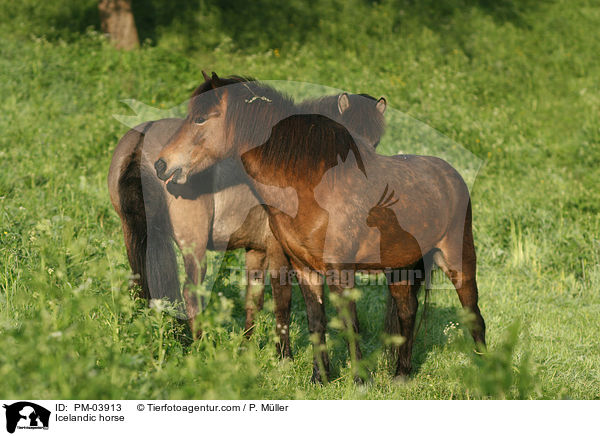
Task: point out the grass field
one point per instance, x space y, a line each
515 83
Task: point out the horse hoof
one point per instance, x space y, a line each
316 377
285 353
401 379
359 380
403 372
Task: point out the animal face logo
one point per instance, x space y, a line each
26 415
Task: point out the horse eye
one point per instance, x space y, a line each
199 120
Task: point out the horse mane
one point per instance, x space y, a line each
325 105
273 128
362 117
303 147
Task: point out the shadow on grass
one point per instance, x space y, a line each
431 334
371 312
266 23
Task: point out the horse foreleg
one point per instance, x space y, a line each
317 322
282 295
350 319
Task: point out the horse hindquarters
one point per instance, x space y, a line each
141 204
124 187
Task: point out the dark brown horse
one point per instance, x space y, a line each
337 181
213 210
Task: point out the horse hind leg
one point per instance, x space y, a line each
136 256
255 290
192 241
404 292
317 321
456 257
392 327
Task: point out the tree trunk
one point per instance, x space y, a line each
117 21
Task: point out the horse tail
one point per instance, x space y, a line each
148 229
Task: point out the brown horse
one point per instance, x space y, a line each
215 210
337 181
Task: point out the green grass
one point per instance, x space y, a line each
515 83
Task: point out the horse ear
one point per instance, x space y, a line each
215 80
343 103
381 105
206 76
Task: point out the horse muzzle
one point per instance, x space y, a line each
174 174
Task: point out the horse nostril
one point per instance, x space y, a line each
176 175
160 166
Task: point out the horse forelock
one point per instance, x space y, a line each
207 94
252 107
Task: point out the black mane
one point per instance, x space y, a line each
362 118
280 133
